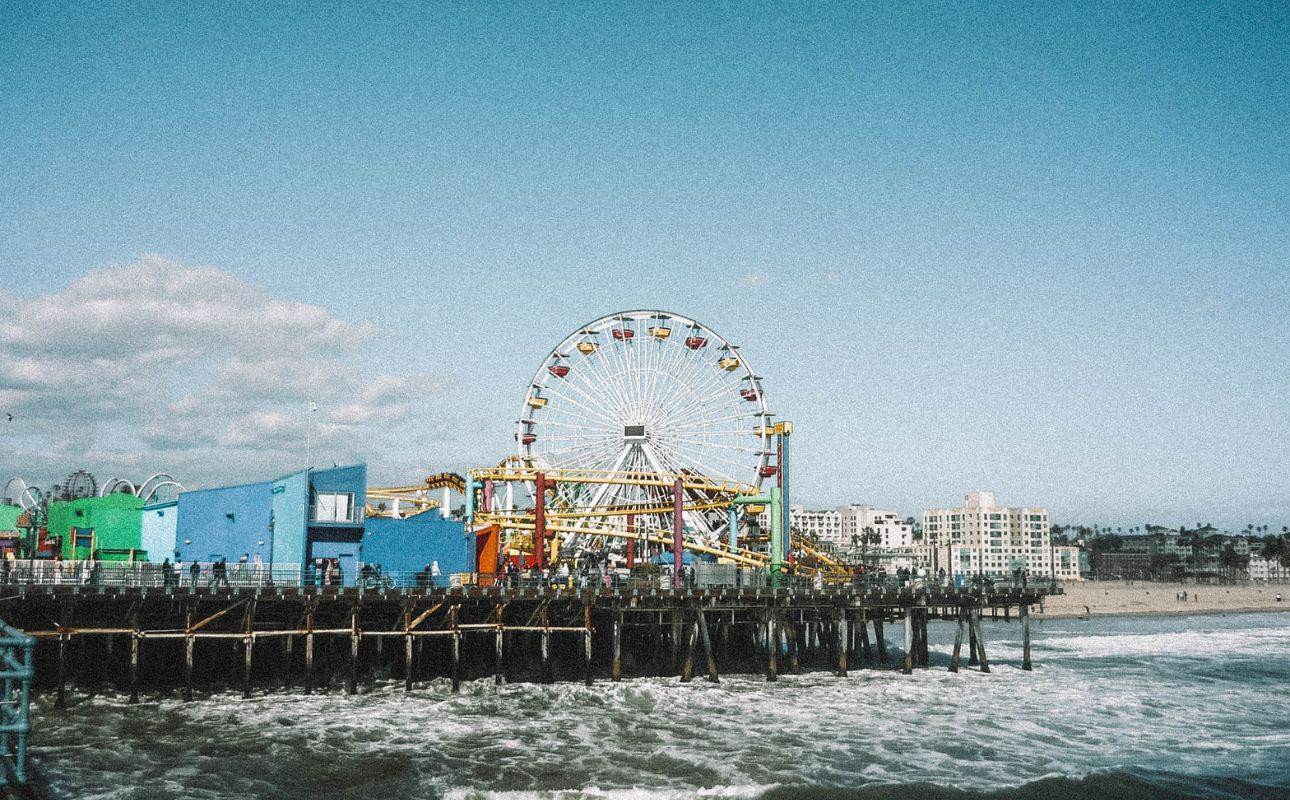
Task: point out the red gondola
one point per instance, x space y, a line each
695 342
623 333
748 393
768 471
558 370
528 438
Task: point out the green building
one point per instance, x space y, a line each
10 535
110 527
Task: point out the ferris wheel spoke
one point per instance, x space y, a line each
679 458
590 410
610 382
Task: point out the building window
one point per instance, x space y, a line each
333 507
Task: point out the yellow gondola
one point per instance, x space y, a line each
660 332
537 402
586 348
728 363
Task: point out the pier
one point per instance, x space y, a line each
314 639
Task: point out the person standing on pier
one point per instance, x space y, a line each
194 570
167 574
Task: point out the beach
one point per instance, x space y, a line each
1098 598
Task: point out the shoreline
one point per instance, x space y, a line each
1190 612
1119 598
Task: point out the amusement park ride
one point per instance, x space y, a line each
643 435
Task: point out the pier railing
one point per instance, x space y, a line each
16 671
649 578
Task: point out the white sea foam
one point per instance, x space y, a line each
1185 698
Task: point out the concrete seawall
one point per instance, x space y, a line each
1138 597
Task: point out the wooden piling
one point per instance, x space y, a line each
880 638
702 626
190 642
309 652
354 639
862 628
909 641
1024 612
499 655
134 667
842 640
60 700
675 640
687 665
980 640
616 670
548 676
453 612
772 646
408 663
586 642
972 645
958 644
790 634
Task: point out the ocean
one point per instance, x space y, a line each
1126 707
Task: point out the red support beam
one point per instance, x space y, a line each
539 521
631 542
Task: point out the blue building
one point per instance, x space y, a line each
403 547
159 529
284 523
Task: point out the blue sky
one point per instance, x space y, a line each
1040 249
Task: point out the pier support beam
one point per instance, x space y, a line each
972 644
958 644
60 700
980 640
408 662
189 642
772 646
453 612
790 635
134 667
547 675
866 654
586 642
354 638
687 666
309 652
702 625
616 670
1024 612
842 640
499 655
880 639
909 641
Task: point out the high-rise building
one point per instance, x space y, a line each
982 537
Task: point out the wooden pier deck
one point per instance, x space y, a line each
317 638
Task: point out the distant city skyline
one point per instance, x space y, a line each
1033 252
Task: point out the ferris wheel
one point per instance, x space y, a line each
646 392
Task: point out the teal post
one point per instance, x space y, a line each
776 535
734 526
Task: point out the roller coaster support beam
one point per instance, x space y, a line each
784 429
775 501
678 531
471 544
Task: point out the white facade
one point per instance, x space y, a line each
983 537
1066 563
840 527
1264 569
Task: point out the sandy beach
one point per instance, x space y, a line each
1099 598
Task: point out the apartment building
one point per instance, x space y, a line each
841 528
982 537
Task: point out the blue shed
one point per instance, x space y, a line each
403 547
157 537
225 522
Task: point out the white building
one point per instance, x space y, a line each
1270 570
840 528
983 537
1066 563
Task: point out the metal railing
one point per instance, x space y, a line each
16 670
190 575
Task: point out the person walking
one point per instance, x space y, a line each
167 574
434 573
194 571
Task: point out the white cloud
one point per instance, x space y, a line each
157 365
754 279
